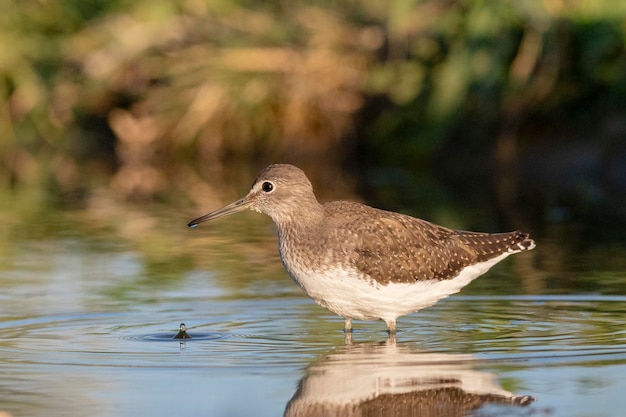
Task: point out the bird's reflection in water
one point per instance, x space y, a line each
393 379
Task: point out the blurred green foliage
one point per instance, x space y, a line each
139 98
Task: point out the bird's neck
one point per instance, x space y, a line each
307 216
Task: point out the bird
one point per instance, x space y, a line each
365 263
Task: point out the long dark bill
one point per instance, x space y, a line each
232 208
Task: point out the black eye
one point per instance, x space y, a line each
267 186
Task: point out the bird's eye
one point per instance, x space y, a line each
267 186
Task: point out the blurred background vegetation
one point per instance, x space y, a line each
512 109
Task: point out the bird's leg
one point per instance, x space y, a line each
347 339
391 326
347 327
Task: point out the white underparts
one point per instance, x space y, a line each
349 295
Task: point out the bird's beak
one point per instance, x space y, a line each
232 208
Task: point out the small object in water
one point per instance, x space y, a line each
182 332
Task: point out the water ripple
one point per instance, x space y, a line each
535 329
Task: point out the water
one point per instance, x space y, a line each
87 326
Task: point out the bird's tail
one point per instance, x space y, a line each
489 245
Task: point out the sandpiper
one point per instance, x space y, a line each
365 263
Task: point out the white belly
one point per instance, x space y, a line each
345 293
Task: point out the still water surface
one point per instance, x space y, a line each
87 328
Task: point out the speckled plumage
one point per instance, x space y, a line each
365 263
